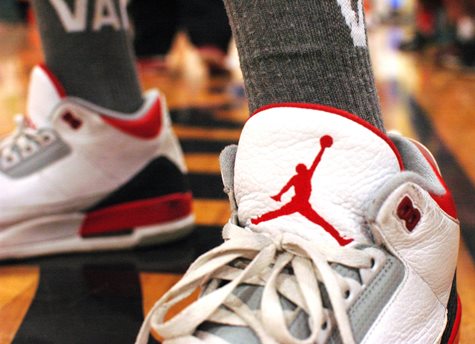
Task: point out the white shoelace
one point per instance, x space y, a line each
23 142
269 257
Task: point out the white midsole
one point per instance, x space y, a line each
60 234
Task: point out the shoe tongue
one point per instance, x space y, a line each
311 172
45 92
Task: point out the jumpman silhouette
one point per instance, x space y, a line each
300 202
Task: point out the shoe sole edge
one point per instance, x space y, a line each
61 234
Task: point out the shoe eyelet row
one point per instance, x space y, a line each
46 138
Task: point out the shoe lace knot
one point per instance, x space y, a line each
269 259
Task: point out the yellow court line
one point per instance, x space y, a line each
154 286
466 290
202 162
211 212
18 288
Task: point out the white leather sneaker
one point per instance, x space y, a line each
77 177
339 234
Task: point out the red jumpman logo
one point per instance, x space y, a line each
300 203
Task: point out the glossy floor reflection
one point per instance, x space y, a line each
102 297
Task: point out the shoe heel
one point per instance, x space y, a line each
156 196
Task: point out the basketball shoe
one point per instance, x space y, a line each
338 234
77 177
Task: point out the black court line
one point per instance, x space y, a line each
207 186
96 298
204 146
206 117
458 181
93 304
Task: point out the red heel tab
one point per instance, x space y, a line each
54 80
338 112
445 201
145 127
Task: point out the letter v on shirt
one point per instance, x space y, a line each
105 14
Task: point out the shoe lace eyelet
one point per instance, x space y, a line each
373 263
9 161
47 138
324 325
347 294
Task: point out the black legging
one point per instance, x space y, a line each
12 11
157 21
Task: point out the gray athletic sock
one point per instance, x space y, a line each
312 51
88 49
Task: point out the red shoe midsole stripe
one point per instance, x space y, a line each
136 214
454 336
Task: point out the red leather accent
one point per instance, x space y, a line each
407 212
146 127
57 84
128 216
340 113
454 336
74 122
445 201
29 122
302 184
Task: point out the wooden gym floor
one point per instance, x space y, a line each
101 298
